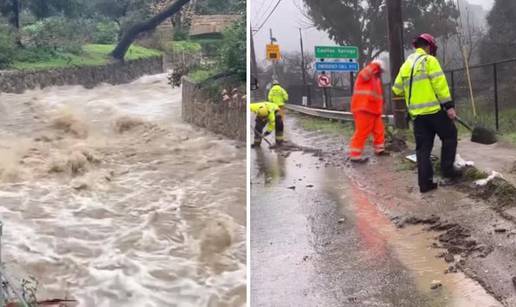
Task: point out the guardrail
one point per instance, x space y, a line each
330 114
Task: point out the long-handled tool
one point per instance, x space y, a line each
263 137
479 134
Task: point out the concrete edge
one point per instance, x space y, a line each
41 78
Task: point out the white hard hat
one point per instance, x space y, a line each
379 63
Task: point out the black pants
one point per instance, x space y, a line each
260 125
425 129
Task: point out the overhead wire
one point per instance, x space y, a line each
261 13
268 16
258 12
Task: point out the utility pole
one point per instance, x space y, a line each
254 66
396 57
274 74
306 90
302 57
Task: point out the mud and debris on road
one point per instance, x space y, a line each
370 238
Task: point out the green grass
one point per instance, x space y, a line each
92 55
207 40
401 165
185 46
486 117
326 126
201 74
509 138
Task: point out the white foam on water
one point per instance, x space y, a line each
151 223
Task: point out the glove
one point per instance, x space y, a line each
449 105
267 133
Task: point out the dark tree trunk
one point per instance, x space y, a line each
16 14
16 6
131 34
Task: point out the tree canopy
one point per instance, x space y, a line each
364 23
500 40
208 7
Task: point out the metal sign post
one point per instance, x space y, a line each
325 98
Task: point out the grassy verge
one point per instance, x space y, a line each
509 138
326 126
91 55
486 117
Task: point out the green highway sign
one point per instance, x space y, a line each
336 52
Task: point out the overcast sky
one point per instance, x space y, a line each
487 4
287 19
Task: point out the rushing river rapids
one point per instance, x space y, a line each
109 199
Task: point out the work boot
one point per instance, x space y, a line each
427 188
383 153
455 174
360 160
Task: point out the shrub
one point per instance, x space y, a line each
34 55
210 46
7 47
106 32
233 48
188 47
180 35
58 34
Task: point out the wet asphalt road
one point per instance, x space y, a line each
318 239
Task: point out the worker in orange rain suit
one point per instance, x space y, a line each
367 109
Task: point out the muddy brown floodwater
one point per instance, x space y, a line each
108 198
318 238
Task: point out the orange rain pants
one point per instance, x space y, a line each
366 124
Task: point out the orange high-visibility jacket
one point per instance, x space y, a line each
368 92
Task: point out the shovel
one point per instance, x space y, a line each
479 134
263 137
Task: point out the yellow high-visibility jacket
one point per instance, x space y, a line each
278 95
271 118
430 91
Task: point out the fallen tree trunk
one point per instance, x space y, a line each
133 32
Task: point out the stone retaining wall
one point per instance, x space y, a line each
223 114
113 73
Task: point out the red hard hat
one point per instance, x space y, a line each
430 40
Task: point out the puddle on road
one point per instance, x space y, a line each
411 245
